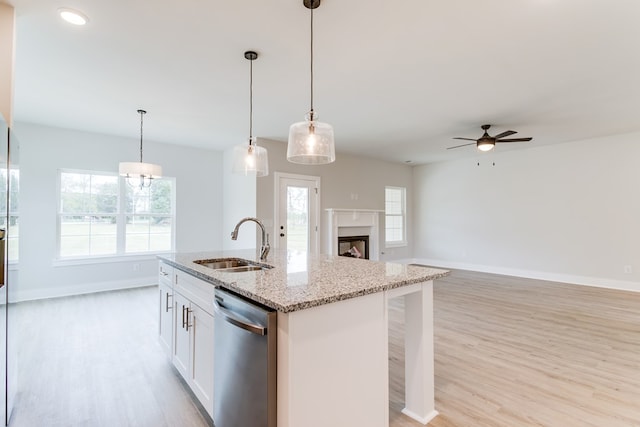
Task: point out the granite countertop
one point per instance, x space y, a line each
298 281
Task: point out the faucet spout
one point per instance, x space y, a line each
264 244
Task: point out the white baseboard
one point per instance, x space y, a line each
84 288
401 261
423 420
599 282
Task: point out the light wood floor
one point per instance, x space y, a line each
509 352
514 352
94 361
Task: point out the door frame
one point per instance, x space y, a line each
278 176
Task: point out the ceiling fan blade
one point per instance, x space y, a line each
465 139
463 145
515 140
505 133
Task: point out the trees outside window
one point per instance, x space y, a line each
100 214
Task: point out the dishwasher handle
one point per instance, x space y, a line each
236 320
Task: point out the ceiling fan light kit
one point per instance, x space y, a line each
487 142
311 142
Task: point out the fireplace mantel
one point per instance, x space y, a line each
350 222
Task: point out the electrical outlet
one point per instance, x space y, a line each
628 269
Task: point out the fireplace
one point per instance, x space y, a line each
343 225
354 246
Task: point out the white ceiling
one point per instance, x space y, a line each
396 78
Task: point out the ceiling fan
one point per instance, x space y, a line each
487 142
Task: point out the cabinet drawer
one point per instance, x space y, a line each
165 273
196 290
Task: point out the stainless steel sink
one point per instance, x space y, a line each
231 265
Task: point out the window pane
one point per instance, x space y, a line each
137 243
75 226
103 245
95 206
74 203
137 199
395 212
74 246
87 193
160 197
160 242
14 191
88 235
74 182
137 233
298 219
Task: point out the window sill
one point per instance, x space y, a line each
395 245
67 262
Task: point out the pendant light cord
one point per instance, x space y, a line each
311 111
251 103
142 112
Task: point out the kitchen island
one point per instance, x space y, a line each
332 333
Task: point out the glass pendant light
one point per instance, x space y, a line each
311 142
138 173
249 159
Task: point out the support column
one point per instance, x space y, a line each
419 365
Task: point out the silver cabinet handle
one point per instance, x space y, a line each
232 318
164 273
167 307
189 311
183 319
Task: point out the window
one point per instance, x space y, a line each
100 214
395 216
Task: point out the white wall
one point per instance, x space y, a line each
351 182
239 201
45 150
568 212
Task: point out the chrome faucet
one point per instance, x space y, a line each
264 247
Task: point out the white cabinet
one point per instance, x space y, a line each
192 339
201 372
165 290
181 345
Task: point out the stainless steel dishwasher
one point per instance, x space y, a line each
244 377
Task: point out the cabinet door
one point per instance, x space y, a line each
181 335
166 317
201 380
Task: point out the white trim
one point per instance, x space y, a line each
277 176
340 221
600 282
403 242
147 256
83 288
422 420
120 217
353 210
396 245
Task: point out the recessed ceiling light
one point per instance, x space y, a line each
73 16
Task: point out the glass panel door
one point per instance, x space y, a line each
297 219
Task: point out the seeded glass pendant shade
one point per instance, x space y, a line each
140 174
311 142
250 159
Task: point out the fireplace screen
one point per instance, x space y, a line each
354 246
